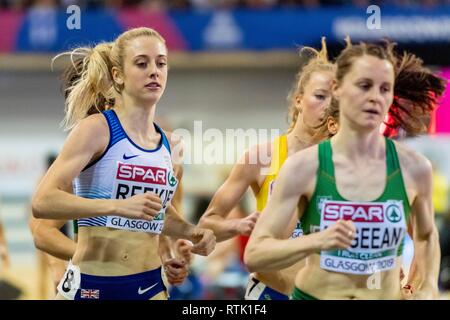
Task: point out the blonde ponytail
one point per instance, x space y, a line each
93 86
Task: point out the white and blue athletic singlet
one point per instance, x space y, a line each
123 170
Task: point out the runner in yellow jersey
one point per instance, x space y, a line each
309 98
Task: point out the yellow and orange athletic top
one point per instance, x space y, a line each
279 155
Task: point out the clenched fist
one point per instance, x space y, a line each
204 241
145 206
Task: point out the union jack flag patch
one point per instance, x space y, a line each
90 294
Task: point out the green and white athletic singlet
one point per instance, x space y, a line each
381 224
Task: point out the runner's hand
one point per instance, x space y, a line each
183 250
337 236
245 225
204 241
176 271
145 206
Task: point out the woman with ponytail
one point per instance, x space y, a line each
356 193
309 97
123 171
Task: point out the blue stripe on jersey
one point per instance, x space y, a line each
165 142
101 219
115 129
87 186
119 133
89 223
92 195
97 191
86 189
92 222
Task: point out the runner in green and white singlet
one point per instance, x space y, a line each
356 192
380 225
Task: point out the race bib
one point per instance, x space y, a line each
254 289
135 179
70 282
132 179
380 229
298 231
154 226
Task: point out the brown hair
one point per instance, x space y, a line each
332 110
312 61
351 52
89 84
416 94
416 88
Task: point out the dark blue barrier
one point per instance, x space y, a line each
286 29
47 31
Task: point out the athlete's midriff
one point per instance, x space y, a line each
282 280
328 285
112 252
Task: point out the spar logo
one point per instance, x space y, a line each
172 180
321 200
145 174
357 212
394 213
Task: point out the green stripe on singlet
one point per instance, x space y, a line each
75 226
361 255
298 294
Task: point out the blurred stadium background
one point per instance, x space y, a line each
232 64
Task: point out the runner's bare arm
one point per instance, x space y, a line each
175 226
48 237
53 199
167 244
425 234
243 175
267 248
413 280
176 266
